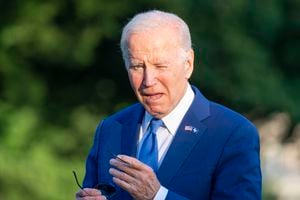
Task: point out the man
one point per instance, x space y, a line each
202 150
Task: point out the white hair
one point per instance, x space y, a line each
155 19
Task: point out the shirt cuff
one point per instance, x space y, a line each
161 194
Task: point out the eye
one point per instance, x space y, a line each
136 66
160 66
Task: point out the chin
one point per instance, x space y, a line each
156 113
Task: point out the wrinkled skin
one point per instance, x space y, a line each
158 69
135 177
89 194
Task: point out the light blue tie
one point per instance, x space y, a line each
149 151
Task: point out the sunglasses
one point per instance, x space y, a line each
106 189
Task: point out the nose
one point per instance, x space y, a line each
150 76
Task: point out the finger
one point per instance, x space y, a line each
93 191
88 192
125 168
123 184
99 198
92 198
122 179
121 175
137 173
118 163
81 193
133 162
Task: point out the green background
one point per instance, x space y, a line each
61 72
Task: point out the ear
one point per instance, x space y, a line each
189 64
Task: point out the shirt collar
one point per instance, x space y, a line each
174 118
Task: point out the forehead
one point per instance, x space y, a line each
158 44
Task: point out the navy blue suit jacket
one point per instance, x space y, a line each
218 159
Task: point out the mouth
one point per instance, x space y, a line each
152 98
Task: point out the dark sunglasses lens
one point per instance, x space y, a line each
106 189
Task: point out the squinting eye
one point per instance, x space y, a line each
136 67
161 66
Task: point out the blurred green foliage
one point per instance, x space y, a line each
61 73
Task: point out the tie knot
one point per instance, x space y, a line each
155 124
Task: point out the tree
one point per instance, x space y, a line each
61 72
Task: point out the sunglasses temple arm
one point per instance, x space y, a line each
77 182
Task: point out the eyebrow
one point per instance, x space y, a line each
161 62
157 61
161 59
135 61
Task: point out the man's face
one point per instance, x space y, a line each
158 70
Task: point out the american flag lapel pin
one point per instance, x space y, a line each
191 129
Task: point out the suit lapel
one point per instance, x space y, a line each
129 139
188 135
126 136
130 132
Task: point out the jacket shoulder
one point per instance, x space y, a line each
134 111
229 116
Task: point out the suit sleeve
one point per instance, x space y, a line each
91 173
238 174
174 196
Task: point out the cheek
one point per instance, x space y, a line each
135 81
176 83
177 77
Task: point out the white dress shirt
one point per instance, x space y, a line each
166 133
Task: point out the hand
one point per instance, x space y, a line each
89 194
137 178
